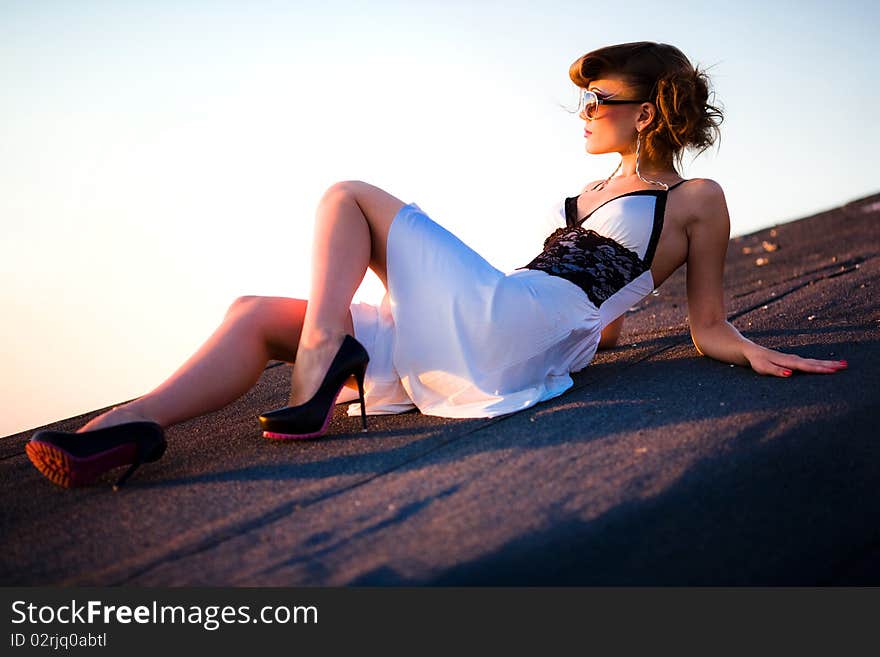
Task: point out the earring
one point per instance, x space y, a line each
638 173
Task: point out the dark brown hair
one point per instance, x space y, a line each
661 74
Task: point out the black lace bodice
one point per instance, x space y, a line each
598 265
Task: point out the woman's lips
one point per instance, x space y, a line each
587 133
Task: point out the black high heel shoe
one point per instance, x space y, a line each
311 419
74 459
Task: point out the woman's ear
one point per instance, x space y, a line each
647 112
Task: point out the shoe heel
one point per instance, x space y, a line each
359 375
134 466
154 455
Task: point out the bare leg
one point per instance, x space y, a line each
350 234
254 331
352 227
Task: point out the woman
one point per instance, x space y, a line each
454 336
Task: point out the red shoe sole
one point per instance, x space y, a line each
65 469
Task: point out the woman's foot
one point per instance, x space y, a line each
310 418
75 459
116 415
313 359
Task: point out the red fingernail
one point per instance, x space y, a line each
786 372
843 362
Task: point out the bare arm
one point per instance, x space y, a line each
712 334
611 333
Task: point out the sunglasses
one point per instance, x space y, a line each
588 103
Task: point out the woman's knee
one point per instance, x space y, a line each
244 303
344 190
277 321
268 308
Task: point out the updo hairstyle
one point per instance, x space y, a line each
661 74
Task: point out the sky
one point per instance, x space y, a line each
159 159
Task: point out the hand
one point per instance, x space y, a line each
776 363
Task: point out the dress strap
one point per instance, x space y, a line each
571 211
677 184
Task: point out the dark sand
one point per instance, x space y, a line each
660 467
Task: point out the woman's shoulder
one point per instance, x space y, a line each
704 189
703 197
703 186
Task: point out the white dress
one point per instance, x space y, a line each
455 337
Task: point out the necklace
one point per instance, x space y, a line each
601 184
